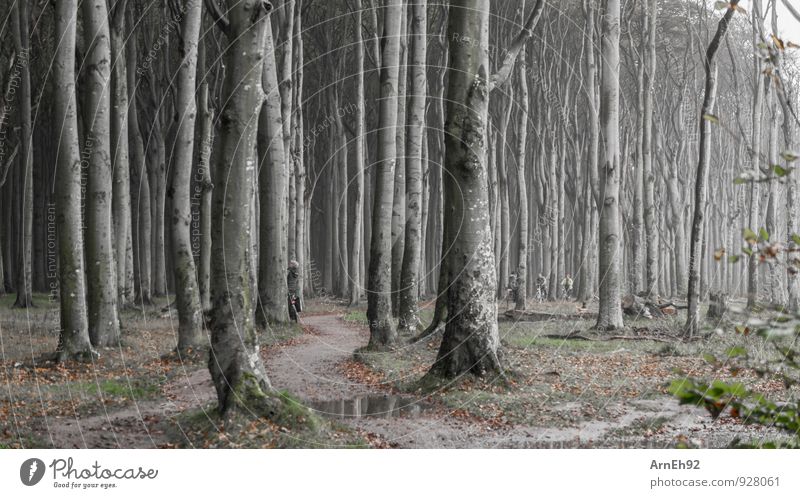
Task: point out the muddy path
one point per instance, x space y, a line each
310 367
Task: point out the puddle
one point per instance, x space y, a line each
370 406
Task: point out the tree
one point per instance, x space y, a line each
236 367
358 184
20 16
610 265
73 340
522 188
101 273
471 341
409 282
272 186
187 293
701 182
648 153
379 302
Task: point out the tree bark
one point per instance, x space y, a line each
409 282
73 342
379 302
648 175
360 164
701 182
101 273
187 293
610 264
522 186
471 340
235 364
272 186
20 20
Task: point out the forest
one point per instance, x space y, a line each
399 223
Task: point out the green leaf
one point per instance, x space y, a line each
733 258
736 351
796 239
747 251
763 234
750 236
710 117
710 358
739 180
780 171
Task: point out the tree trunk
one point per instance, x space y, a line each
379 302
203 178
522 186
409 282
399 195
360 164
187 294
610 266
73 342
101 272
20 17
235 364
272 186
471 340
140 189
697 240
650 230
121 200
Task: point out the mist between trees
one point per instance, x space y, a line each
398 151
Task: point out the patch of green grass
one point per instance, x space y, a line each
356 316
123 388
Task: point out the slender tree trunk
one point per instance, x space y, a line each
101 273
187 293
697 240
409 282
651 234
121 200
522 186
140 189
379 302
754 208
20 17
235 364
360 164
471 340
399 196
204 183
301 241
273 264
73 342
610 267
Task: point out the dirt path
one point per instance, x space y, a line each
310 368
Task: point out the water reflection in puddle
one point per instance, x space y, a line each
370 406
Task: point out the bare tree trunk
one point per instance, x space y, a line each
301 241
379 303
522 186
754 208
273 264
399 196
360 164
20 18
140 188
235 364
651 233
121 200
205 185
471 340
101 273
73 342
187 293
409 286
697 240
610 267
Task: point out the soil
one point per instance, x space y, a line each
371 399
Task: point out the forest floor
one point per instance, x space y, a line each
563 393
